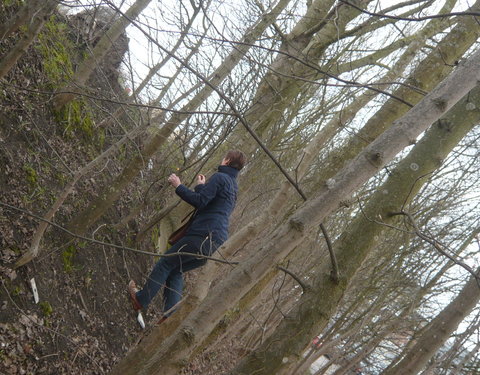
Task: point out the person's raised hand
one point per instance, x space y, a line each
174 180
200 179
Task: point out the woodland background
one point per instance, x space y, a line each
356 234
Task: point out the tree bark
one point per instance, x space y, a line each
174 351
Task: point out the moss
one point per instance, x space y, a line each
76 118
56 49
32 176
10 3
68 256
47 309
61 178
17 291
155 235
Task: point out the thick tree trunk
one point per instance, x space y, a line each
317 305
439 329
39 17
86 68
169 354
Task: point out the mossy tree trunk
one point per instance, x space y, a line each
170 353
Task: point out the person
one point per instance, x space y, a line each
214 201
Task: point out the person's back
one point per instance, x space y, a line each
212 217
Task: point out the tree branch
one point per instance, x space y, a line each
436 244
304 286
412 19
118 247
334 274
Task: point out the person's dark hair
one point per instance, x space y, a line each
236 159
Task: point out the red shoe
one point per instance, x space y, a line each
132 291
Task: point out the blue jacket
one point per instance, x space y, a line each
214 201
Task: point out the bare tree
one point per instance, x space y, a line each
193 330
439 329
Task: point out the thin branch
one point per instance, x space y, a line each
304 286
118 247
335 274
436 244
412 19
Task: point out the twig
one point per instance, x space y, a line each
334 274
414 19
436 244
304 286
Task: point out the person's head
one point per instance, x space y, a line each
235 159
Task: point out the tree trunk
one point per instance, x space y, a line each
439 329
317 305
86 68
40 16
174 351
20 18
254 227
430 71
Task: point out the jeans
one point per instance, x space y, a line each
168 271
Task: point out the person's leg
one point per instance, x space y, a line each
161 271
172 293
